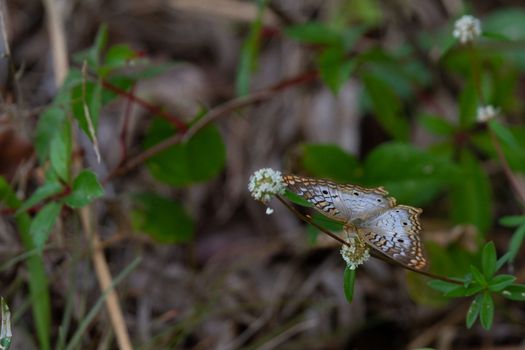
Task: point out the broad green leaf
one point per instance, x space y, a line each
516 242
330 161
249 52
486 314
478 276
468 105
437 125
335 67
199 159
349 282
86 188
474 309
442 286
63 98
43 223
324 222
117 57
314 33
47 128
295 198
512 221
500 282
86 102
45 191
412 176
471 195
514 292
5 326
507 22
163 219
38 282
387 107
60 151
488 260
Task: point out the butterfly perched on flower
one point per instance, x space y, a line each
388 228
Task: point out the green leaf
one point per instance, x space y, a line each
486 314
314 33
512 221
198 160
94 53
442 286
117 57
249 52
411 175
502 260
329 161
43 223
468 104
462 291
324 222
500 282
295 198
437 125
86 189
478 276
514 292
515 242
387 107
38 282
164 220
5 326
471 195
488 259
335 67
86 102
60 151
47 128
474 309
45 191
505 135
348 284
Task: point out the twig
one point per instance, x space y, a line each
123 135
211 116
60 63
177 122
58 41
373 252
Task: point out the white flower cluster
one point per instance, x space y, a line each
356 253
486 113
467 28
266 183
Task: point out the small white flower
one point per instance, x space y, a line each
486 113
266 183
467 28
269 211
356 253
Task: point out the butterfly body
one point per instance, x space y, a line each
391 229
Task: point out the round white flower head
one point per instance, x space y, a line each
356 253
486 113
467 28
266 183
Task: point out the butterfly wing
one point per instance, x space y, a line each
342 203
395 233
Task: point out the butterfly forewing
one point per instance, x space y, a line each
395 233
343 203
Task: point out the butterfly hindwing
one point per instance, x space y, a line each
395 233
342 203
